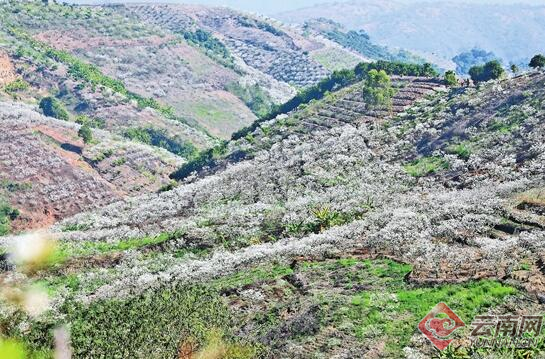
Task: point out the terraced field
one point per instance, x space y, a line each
345 107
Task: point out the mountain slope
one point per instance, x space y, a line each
439 29
214 75
49 173
278 52
449 182
143 83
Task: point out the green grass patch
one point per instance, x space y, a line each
462 150
515 118
67 251
159 138
241 279
393 309
425 166
253 96
16 86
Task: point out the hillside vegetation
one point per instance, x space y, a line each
298 247
148 82
209 184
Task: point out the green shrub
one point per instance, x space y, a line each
7 214
91 122
16 86
12 186
119 162
52 107
450 78
86 134
462 150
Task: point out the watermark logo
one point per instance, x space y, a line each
502 331
439 324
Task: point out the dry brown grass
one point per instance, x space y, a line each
533 197
216 347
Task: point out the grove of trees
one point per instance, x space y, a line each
468 59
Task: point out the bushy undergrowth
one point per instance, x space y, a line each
18 85
151 325
160 138
7 214
52 107
154 324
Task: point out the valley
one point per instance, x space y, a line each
186 181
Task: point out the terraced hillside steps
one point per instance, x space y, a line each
345 107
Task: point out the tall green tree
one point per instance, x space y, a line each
377 90
538 62
492 70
